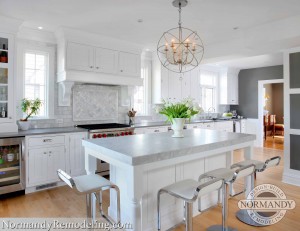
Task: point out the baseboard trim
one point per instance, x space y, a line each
291 179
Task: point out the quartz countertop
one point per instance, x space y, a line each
147 148
41 131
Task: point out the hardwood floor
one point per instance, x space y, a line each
277 142
63 202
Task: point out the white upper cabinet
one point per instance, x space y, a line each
80 57
229 87
106 60
129 64
186 85
95 59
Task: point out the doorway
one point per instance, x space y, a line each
270 114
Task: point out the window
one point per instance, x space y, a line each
36 72
208 84
141 92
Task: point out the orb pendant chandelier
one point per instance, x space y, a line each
180 49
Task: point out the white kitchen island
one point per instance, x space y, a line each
142 164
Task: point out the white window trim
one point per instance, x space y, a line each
215 86
25 46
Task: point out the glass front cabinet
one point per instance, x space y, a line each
6 78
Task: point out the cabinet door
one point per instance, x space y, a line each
77 154
186 85
174 87
106 61
233 89
164 83
56 160
80 57
37 166
6 80
129 64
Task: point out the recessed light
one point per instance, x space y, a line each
140 20
147 49
40 28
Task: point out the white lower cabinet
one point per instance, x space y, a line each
48 153
156 129
42 164
226 126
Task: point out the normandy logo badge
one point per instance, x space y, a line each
266 204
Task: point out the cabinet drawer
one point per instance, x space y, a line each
156 129
46 140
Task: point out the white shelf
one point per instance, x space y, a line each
3 101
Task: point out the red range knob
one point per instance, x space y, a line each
126 133
94 136
99 135
122 133
130 133
104 135
117 134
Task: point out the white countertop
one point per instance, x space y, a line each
147 148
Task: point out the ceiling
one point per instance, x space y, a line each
254 61
214 20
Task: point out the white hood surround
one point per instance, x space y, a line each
90 58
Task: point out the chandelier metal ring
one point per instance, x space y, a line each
180 49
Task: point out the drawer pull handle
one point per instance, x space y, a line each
195 127
156 130
47 140
45 152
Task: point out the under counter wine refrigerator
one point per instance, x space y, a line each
12 169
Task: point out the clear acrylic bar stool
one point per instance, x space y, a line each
187 190
92 186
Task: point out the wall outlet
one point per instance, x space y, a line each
59 121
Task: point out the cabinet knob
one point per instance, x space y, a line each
91 66
50 152
10 117
156 130
121 70
45 152
97 67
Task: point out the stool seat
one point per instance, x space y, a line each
92 186
91 183
188 191
223 173
184 189
258 164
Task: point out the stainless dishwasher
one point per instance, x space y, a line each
12 170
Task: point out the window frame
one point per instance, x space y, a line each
46 54
147 64
214 87
25 46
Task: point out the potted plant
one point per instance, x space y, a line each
177 113
29 107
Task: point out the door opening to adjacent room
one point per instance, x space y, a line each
271 113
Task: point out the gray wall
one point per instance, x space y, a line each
248 88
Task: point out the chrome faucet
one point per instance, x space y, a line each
211 109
